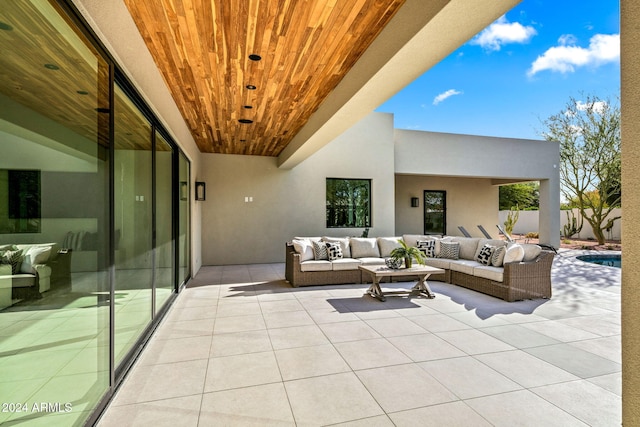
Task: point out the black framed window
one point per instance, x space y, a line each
348 202
435 212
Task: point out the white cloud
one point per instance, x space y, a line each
502 32
596 106
444 95
566 57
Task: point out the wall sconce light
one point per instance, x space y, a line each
200 190
415 202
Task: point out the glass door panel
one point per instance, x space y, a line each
184 243
435 208
133 205
165 259
54 208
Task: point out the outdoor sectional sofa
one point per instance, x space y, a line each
509 271
26 271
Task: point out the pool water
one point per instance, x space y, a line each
608 260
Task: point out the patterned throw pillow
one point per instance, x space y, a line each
498 256
14 258
320 251
427 247
484 256
449 250
334 251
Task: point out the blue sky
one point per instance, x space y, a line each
519 71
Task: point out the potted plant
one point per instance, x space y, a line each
408 253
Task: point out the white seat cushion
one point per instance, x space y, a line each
345 264
464 266
371 261
313 265
492 273
438 262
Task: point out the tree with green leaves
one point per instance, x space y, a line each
526 195
589 137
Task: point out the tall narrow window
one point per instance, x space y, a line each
435 212
348 202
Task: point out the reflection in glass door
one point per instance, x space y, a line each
164 259
435 209
133 224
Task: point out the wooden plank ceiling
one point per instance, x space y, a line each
203 47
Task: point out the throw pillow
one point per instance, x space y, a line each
449 250
344 244
14 258
362 247
320 251
387 244
497 259
427 247
484 256
334 251
34 255
304 248
514 253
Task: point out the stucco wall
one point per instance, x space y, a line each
630 109
288 203
469 201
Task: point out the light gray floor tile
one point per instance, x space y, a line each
525 369
394 327
239 324
176 350
602 325
304 362
473 319
402 387
522 408
331 316
373 353
348 331
379 421
241 370
425 347
157 382
590 403
473 341
185 329
608 347
297 336
243 309
240 343
263 405
179 411
453 414
574 360
330 399
519 336
439 323
280 306
468 378
283 319
560 331
610 382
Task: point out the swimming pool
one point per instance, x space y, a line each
608 260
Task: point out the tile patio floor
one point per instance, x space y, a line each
242 347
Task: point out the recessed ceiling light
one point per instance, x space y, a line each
251 87
51 66
248 107
245 121
5 26
255 57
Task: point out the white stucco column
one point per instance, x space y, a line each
630 126
549 219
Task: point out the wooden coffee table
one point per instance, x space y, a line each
380 271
